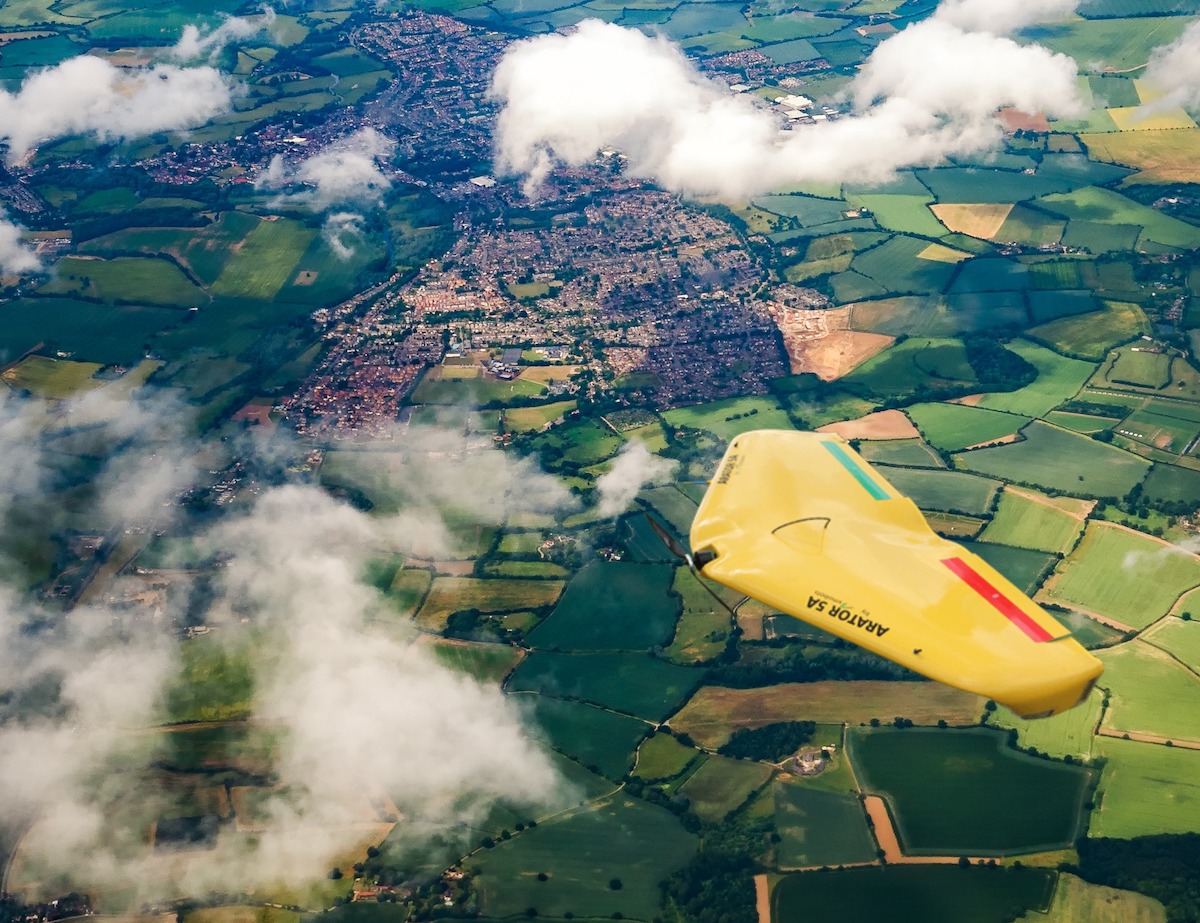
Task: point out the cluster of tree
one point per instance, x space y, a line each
795 666
996 367
717 886
772 742
1166 867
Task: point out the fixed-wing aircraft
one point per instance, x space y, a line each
801 522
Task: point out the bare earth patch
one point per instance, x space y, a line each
762 899
970 400
883 424
821 341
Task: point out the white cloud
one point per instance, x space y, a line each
196 43
1002 16
632 470
1175 69
345 172
86 95
343 231
16 256
929 92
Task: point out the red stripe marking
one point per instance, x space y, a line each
1002 603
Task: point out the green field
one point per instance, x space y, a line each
1134 799
907 453
819 828
1129 577
1139 368
1058 379
635 684
1180 638
52 378
703 629
611 606
491 594
726 419
1028 519
1103 205
1162 430
912 894
484 662
966 791
265 260
908 214
721 784
602 741
1022 566
952 427
662 757
1092 335
1056 459
128 279
1078 901
673 505
1068 734
918 362
937 489
579 855
1150 693
528 419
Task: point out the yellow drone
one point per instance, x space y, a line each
802 523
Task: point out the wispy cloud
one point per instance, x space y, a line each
345 173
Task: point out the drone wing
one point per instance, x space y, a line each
802 523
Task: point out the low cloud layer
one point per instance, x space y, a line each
16 256
345 173
361 712
927 93
1175 69
633 469
196 43
86 95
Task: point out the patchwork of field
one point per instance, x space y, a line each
1028 519
1179 638
715 712
966 792
1058 379
492 594
947 491
1146 789
952 427
603 741
1124 575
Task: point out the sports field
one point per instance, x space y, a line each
1028 519
1056 459
965 791
1150 693
1127 576
819 828
912 894
715 712
1134 799
568 864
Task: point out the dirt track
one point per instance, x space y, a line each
762 898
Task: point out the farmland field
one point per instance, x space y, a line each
579 855
265 260
1058 379
635 684
704 625
951 427
492 594
1150 693
912 894
915 363
1078 901
611 606
715 712
1161 156
673 505
129 279
819 828
1099 575
1022 566
722 784
1095 204
726 419
602 741
662 757
1092 335
527 419
1056 459
948 491
965 791
1181 638
52 378
1068 734
911 453
1139 368
1135 802
1028 519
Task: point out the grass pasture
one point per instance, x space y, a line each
1058 379
1068 734
703 628
1134 800
485 662
531 419
942 490
1056 459
913 894
952 427
819 828
1079 901
905 453
715 712
579 854
966 791
1092 335
1103 205
52 378
916 363
721 785
1024 567
1150 693
636 684
662 757
1167 482
491 594
728 418
128 278
602 741
1124 575
265 261
611 606
1028 519
673 505
1180 638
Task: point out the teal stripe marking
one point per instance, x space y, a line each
852 466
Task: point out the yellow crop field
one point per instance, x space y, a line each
1148 118
983 220
1162 155
941 254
